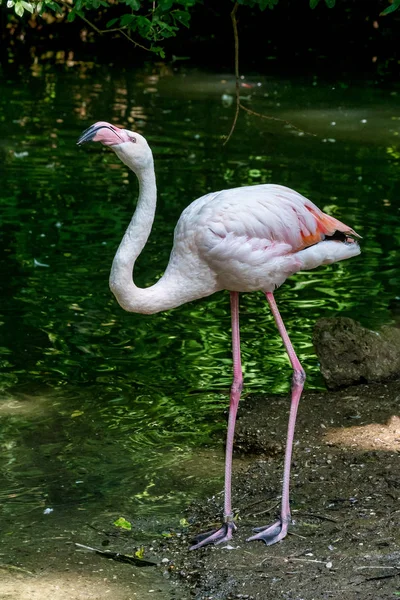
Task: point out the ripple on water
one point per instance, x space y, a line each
125 398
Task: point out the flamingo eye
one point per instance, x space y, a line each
133 140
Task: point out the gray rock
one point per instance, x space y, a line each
351 354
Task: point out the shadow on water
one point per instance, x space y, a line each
102 410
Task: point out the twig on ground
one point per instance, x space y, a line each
303 537
267 510
17 569
125 558
255 503
382 577
315 516
373 567
291 558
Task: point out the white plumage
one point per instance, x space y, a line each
243 240
252 238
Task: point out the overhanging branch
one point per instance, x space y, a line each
239 105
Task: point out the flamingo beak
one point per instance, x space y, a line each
96 133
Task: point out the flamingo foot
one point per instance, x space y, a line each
221 535
270 534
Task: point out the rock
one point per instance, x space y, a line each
350 354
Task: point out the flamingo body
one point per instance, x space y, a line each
252 238
244 240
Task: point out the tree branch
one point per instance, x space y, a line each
101 31
239 105
235 34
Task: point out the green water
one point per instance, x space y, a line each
102 409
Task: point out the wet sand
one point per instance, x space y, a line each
344 541
345 538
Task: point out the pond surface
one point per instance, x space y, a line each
102 410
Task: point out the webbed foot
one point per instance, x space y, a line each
223 534
270 534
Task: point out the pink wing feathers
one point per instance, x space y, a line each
253 237
258 216
312 225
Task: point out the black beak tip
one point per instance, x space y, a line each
87 135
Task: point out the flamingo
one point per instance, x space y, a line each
244 239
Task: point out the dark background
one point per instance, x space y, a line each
350 39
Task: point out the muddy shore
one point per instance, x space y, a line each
344 542
345 538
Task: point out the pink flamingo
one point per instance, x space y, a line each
242 240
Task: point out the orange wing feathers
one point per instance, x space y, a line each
326 225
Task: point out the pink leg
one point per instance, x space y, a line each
224 534
273 533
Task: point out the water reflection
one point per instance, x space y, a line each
145 389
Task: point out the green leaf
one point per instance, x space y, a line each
112 22
158 50
123 523
394 6
167 30
314 3
127 20
165 4
19 9
144 25
330 3
133 4
27 6
77 413
140 553
71 17
54 6
263 4
182 16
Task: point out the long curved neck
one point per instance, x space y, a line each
138 231
169 291
129 296
178 285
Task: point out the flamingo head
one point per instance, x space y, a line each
131 147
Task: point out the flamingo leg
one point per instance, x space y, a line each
225 532
271 534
